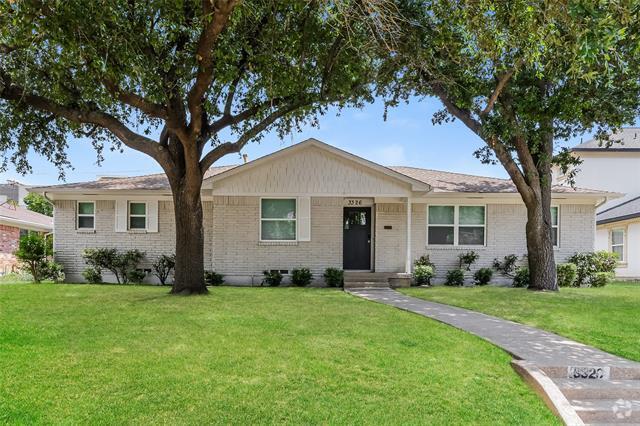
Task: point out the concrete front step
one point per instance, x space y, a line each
599 389
615 373
607 410
367 279
366 284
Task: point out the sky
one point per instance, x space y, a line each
406 138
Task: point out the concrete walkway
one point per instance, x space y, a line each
560 360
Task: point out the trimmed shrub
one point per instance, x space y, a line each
334 277
55 272
455 277
424 261
120 264
32 254
567 273
301 277
507 266
163 266
272 278
422 274
600 279
136 276
92 275
467 259
213 278
483 276
521 277
590 263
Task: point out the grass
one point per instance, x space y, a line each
119 354
607 318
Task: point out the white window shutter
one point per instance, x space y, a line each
152 216
304 219
121 216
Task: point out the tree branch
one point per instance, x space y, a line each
502 82
131 139
136 101
497 146
230 147
216 15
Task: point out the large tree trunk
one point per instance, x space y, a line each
542 265
189 271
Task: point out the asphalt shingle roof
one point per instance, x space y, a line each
440 181
152 182
627 209
16 213
628 139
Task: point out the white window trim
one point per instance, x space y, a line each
145 215
295 220
78 215
557 245
456 225
623 259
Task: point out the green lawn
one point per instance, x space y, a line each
607 317
119 354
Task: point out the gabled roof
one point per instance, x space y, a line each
422 180
416 184
628 208
626 140
157 181
444 182
22 218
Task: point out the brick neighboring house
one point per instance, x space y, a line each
15 221
313 205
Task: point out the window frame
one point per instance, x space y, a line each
261 219
78 215
456 225
557 206
145 215
623 258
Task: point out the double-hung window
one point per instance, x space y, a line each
555 225
86 215
617 243
278 219
137 215
456 225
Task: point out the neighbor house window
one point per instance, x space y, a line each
555 225
278 219
617 243
86 215
456 225
137 215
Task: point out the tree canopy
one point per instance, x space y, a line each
183 82
37 203
124 71
522 75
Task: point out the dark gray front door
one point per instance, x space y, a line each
356 249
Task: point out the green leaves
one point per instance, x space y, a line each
268 55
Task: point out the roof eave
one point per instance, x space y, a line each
617 218
26 224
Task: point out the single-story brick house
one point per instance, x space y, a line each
15 221
313 205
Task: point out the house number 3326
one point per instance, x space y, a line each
354 202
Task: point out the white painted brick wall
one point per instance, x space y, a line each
232 244
238 253
69 242
505 235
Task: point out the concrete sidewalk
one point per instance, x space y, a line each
601 375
